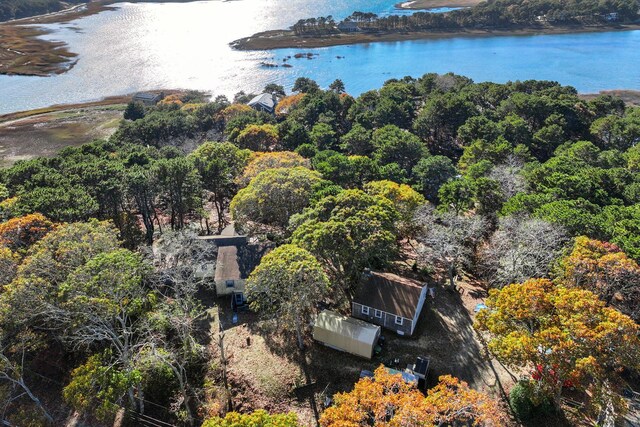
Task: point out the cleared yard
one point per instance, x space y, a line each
266 369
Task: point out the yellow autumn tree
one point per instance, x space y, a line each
235 110
387 400
405 199
273 196
259 418
258 137
8 207
604 269
565 337
261 161
191 107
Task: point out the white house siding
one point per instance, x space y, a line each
423 297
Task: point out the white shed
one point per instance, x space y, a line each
346 333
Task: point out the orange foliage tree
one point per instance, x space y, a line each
387 400
260 161
603 268
20 233
565 336
175 98
287 103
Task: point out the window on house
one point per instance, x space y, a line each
365 310
229 283
378 314
399 320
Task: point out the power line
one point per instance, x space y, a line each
163 423
150 420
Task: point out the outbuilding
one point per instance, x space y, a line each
346 334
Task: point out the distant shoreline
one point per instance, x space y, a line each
23 53
102 102
434 4
281 39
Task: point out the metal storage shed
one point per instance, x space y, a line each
346 333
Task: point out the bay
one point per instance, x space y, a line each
143 46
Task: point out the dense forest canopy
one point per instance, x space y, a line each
529 147
526 186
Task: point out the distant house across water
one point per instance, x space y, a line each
265 102
148 98
348 27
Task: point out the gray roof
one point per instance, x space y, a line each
146 96
228 237
267 100
390 293
344 25
237 262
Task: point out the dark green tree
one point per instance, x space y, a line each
431 173
348 232
134 111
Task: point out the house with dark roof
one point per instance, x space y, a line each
348 27
389 300
237 258
148 98
265 102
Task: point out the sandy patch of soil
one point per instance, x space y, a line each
47 134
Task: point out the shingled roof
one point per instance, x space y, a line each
389 293
237 262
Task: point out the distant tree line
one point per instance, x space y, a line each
486 15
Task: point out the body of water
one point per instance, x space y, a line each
146 46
